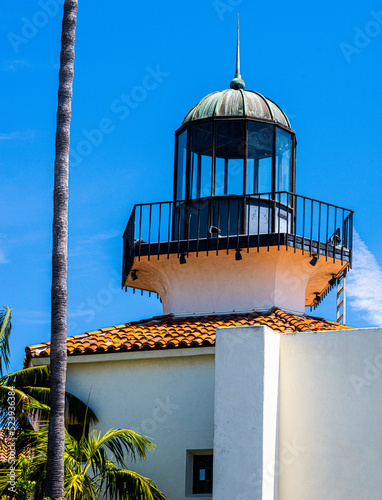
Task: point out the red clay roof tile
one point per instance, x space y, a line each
163 332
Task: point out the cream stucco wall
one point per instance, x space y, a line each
169 399
329 419
331 415
222 285
297 416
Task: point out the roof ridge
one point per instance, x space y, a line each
149 320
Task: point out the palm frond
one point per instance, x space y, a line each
21 399
21 407
4 477
88 471
42 394
35 375
121 442
122 484
79 485
5 331
34 404
34 383
79 411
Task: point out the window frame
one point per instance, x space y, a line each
275 127
190 455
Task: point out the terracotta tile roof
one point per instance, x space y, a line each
165 332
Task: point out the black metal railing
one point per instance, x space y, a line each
238 222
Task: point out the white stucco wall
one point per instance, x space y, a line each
169 399
331 415
246 408
297 416
222 285
328 443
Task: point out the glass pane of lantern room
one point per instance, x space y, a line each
201 160
283 163
229 152
181 166
200 178
259 163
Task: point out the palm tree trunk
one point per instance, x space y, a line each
56 440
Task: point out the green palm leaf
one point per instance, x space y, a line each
22 408
35 375
120 442
89 473
122 484
32 388
5 331
79 411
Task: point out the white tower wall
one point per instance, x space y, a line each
330 414
246 413
222 285
324 440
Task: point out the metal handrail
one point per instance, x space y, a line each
253 220
242 196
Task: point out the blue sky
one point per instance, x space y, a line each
320 63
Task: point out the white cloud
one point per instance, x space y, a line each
95 238
11 136
81 311
3 259
19 64
13 65
364 285
25 316
79 244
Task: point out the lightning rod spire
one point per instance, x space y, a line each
237 83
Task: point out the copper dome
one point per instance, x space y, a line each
237 103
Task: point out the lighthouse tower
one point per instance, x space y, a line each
236 237
244 396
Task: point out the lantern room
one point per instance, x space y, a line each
232 143
236 235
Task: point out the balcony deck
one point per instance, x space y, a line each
244 242
283 220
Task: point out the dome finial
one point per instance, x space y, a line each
238 50
237 83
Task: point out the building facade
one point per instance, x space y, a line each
245 396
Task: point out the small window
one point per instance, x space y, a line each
199 473
202 474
